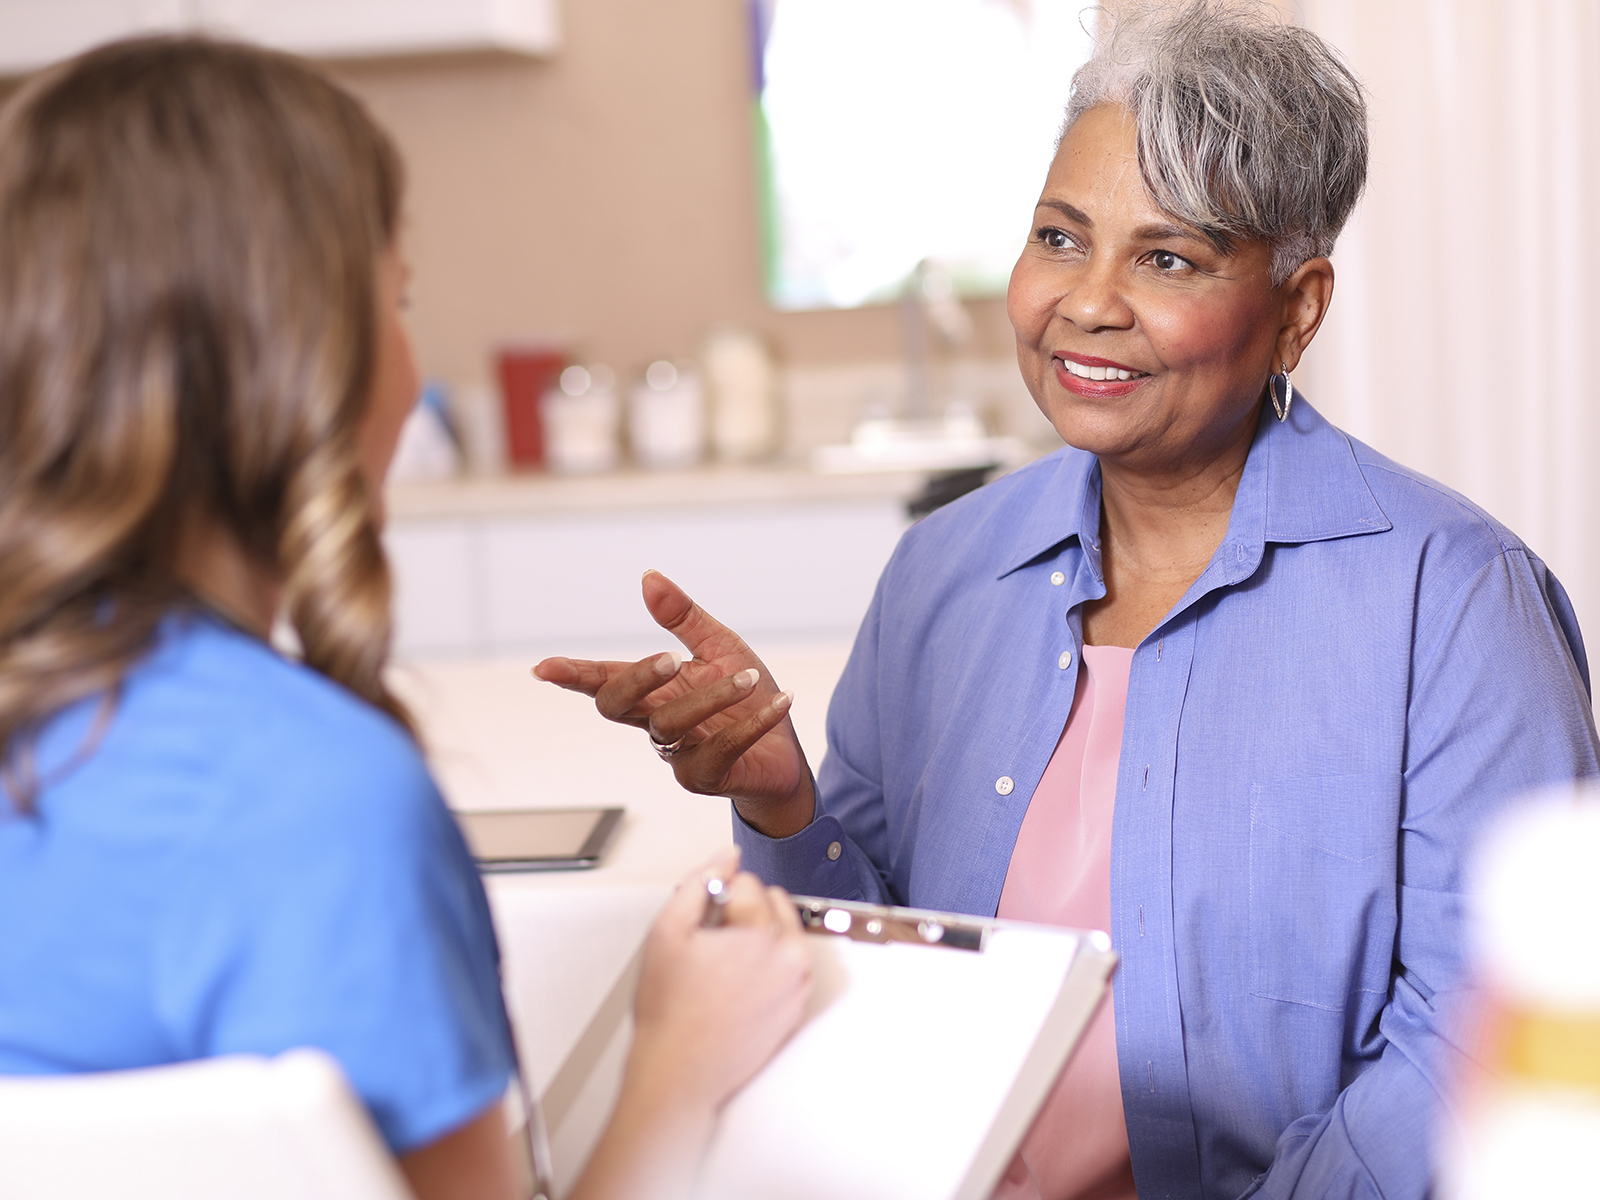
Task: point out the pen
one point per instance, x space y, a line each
716 909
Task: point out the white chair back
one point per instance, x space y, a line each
235 1128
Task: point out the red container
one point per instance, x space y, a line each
526 374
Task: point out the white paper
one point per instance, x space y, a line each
916 1073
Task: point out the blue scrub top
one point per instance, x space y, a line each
246 859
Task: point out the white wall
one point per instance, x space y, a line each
1468 296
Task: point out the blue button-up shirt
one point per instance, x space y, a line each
1367 671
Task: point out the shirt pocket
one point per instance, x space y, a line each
1323 887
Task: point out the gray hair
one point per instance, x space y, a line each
1247 127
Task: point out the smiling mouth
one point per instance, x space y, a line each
1100 370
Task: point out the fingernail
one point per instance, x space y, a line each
782 700
649 571
746 678
669 663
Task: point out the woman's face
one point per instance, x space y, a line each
394 380
1181 336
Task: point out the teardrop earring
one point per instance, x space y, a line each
1288 394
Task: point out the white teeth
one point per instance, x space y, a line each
1083 372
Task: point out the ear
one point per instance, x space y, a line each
1306 295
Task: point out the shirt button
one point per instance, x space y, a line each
1065 660
834 850
1003 785
1057 578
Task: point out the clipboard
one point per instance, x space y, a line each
930 1043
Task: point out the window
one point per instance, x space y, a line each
895 131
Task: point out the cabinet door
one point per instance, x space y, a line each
36 32
358 28
438 587
785 572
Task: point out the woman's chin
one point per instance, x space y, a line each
1103 427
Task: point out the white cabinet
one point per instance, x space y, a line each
358 28
36 32
534 568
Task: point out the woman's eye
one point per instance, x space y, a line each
1166 260
1056 239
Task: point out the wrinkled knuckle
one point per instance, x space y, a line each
605 700
691 779
710 773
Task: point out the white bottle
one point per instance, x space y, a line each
742 383
481 421
427 449
667 418
1530 1117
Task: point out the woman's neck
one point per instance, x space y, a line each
217 569
1158 530
1164 525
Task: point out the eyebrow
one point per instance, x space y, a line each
1071 211
1157 233
1145 233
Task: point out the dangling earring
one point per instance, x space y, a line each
1288 394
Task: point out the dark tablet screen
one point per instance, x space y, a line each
538 839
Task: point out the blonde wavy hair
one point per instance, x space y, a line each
190 234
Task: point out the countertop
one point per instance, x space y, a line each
541 492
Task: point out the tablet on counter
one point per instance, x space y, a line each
539 839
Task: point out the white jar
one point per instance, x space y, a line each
667 417
582 422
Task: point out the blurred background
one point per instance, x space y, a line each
716 286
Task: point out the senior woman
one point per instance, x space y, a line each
1216 677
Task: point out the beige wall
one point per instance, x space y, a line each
606 194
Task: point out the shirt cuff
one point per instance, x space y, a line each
818 861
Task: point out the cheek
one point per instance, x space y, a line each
1203 333
1028 303
406 381
395 386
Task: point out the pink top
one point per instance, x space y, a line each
1060 874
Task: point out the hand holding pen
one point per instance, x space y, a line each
725 979
724 982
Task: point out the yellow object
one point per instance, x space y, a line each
1553 1048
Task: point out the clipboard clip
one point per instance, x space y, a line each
880 923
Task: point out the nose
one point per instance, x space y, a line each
1094 298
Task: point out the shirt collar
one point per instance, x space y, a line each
1307 485
1065 506
1301 483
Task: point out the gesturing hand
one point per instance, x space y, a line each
721 708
